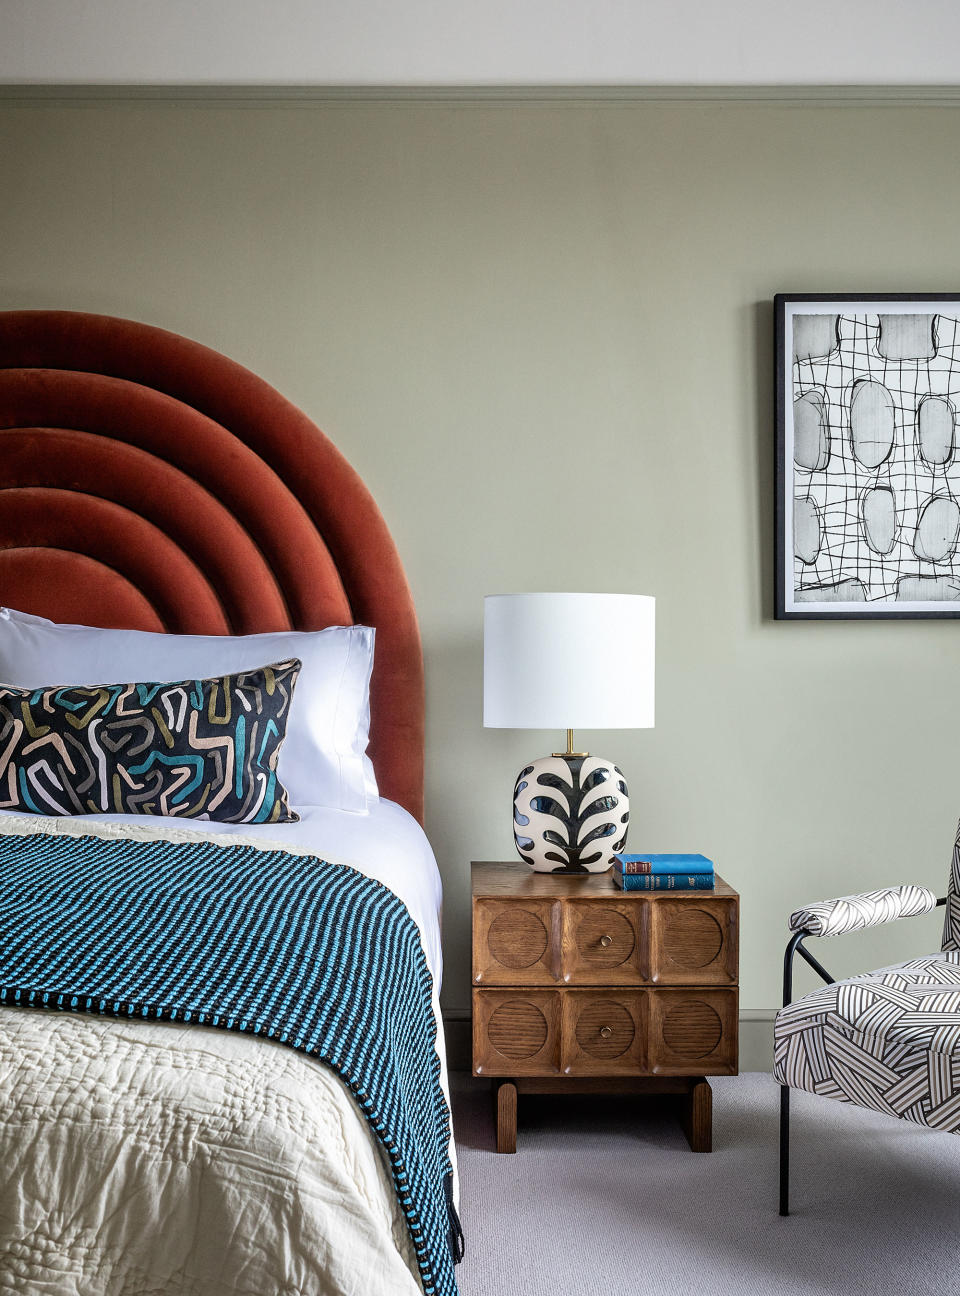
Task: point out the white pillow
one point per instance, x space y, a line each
322 762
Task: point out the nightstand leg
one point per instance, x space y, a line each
505 1112
697 1115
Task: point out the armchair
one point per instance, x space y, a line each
888 1040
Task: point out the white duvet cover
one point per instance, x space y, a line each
146 1158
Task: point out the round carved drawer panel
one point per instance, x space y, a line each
604 937
692 938
691 1030
605 1029
517 1029
517 938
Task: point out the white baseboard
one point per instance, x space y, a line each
756 1039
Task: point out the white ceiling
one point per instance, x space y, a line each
481 42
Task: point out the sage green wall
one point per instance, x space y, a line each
542 334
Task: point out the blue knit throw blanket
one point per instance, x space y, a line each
311 954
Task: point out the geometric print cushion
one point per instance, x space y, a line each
196 749
887 1040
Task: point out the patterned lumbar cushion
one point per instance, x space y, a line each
198 749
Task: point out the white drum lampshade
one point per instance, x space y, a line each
569 661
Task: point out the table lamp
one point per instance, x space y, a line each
569 661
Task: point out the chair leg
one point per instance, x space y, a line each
784 1150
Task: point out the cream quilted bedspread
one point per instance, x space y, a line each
143 1158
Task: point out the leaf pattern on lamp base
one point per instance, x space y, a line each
570 814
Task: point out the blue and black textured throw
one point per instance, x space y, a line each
310 954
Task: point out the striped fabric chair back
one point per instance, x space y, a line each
951 923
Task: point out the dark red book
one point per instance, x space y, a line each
634 863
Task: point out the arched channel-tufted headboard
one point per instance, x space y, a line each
149 483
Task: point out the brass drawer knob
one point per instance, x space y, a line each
605 1032
606 940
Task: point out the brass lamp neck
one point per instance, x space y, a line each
570 751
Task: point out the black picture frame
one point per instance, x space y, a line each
786 605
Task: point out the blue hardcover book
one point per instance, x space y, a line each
662 863
663 881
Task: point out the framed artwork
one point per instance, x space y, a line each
868 469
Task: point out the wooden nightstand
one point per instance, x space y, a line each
579 987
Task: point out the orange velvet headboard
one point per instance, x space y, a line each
150 483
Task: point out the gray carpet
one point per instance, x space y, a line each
601 1197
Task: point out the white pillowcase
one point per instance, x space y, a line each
323 759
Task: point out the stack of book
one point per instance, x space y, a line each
663 872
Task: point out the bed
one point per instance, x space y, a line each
149 484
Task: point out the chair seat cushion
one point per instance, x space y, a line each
888 1040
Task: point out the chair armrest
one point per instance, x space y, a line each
853 912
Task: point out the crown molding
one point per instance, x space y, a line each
868 96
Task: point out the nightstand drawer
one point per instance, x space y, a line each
693 940
653 939
516 942
537 942
604 1032
559 1032
516 1032
603 943
693 1030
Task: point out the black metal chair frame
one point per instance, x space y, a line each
796 946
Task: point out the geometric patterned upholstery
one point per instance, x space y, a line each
869 909
887 1040
951 923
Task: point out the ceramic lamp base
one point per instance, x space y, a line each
570 814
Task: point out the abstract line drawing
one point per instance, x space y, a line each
868 474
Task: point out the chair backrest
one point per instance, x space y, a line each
951 923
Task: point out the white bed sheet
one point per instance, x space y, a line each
353 1216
